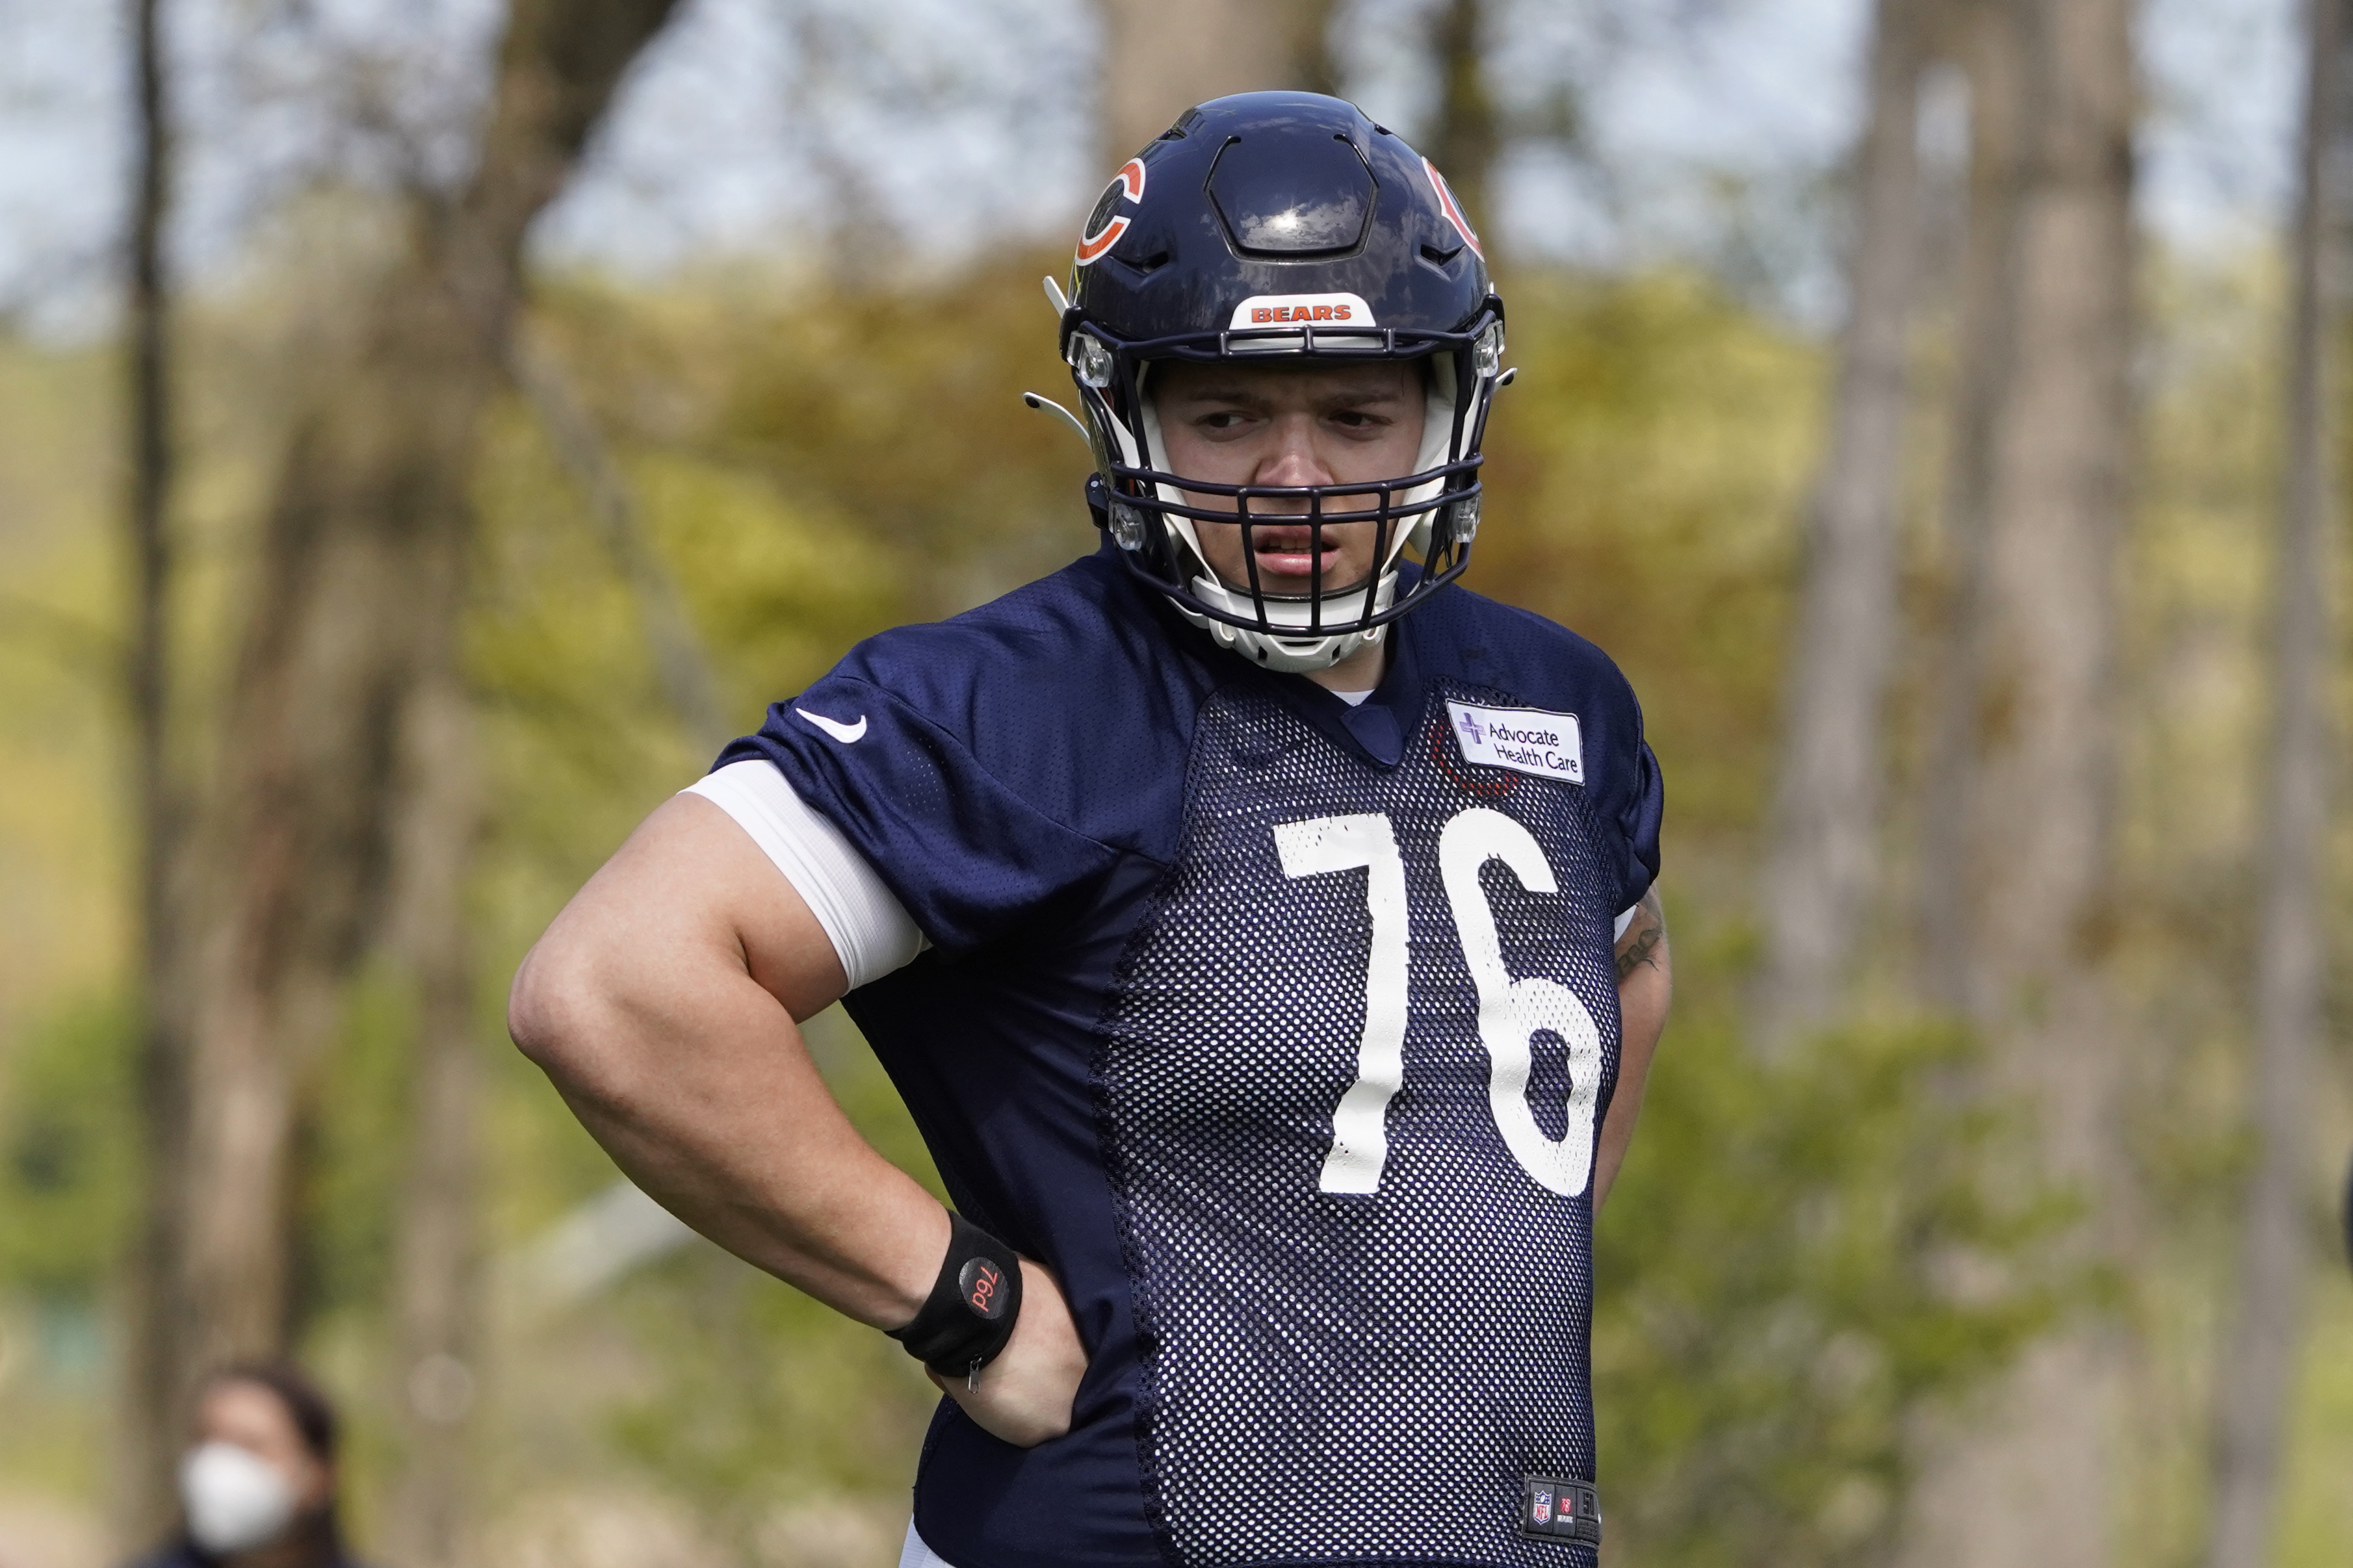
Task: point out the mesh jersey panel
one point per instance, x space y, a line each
1334 1377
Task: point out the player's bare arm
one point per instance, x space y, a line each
664 1003
1645 986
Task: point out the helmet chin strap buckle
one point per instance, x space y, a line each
1128 526
1126 523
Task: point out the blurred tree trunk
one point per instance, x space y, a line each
437 1309
1161 60
152 1306
2030 1478
1819 870
1315 65
1987 37
356 604
2259 1355
1465 138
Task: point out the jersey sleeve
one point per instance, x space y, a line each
870 933
1639 818
1638 796
965 854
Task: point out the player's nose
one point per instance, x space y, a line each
1294 460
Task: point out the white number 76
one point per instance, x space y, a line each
1511 1011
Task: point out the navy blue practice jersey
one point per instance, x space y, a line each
1279 1030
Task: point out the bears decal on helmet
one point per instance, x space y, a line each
1103 229
1453 208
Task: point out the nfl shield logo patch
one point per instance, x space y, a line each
1555 1508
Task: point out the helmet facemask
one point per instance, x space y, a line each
1432 513
1281 227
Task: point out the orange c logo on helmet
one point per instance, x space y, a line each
1452 209
1126 185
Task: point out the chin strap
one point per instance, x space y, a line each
1263 648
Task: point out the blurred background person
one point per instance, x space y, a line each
257 1480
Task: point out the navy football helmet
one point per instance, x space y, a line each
1283 223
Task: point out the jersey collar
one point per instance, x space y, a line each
1375 729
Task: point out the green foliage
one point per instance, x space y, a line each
351 1138
904 410
1801 1256
763 1396
68 1153
1645 473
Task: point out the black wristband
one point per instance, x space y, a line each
968 1317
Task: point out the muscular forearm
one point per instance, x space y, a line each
662 1003
717 1110
724 1120
1645 987
693 1077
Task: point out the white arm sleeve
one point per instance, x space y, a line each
1616 936
870 931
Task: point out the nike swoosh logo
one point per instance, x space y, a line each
848 734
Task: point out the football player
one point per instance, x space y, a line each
1261 934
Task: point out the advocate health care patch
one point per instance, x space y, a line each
1524 739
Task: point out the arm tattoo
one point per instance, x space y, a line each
1642 939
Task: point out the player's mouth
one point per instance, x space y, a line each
1292 559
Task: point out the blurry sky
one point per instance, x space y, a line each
1711 128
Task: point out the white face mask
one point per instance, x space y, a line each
236 1499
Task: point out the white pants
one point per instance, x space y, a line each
915 1554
